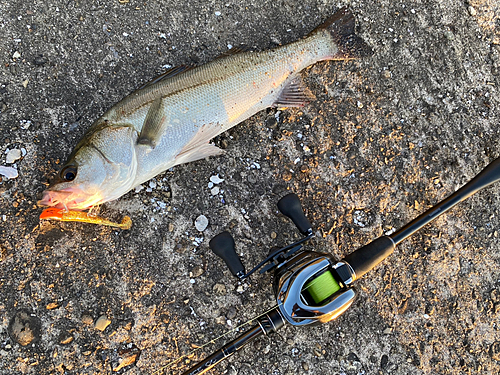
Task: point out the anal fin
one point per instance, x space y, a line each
294 94
153 126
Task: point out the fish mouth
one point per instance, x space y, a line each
63 199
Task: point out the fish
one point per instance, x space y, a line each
171 120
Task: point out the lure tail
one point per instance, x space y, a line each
341 27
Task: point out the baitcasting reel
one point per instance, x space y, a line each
311 287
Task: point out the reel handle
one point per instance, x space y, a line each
223 246
290 206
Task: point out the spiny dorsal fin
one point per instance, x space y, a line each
294 94
235 51
169 73
154 125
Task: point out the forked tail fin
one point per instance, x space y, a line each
341 27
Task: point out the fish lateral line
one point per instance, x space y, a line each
61 214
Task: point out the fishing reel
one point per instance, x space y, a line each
311 287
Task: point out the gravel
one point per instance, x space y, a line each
386 138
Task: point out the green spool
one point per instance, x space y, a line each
322 287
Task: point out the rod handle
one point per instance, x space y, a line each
223 246
290 206
369 256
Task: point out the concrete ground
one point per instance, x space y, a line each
386 138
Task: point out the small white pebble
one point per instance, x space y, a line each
152 184
16 55
217 13
216 179
192 281
389 232
138 188
8 172
25 124
215 190
12 156
201 223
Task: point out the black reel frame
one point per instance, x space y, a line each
294 267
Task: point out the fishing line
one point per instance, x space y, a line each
211 342
322 287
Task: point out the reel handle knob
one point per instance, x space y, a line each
223 246
290 206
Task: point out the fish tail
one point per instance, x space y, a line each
341 29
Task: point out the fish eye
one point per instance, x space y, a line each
69 173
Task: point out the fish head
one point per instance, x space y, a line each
101 168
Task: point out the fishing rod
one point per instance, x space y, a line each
311 287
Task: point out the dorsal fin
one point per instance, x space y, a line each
234 51
169 73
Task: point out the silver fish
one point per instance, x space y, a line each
171 120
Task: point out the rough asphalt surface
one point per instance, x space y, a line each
386 138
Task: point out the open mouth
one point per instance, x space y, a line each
51 198
63 199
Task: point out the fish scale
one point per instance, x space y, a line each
171 120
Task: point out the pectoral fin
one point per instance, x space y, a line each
294 94
197 153
198 147
154 125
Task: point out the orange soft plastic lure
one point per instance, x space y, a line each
82 217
